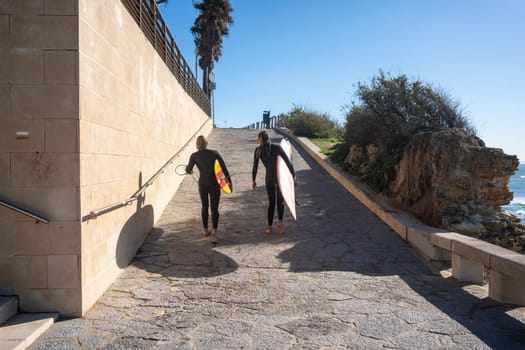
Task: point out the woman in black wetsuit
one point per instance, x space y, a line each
268 153
208 186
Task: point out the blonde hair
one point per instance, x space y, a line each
202 143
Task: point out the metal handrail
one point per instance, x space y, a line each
24 212
135 196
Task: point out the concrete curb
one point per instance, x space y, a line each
8 308
472 259
23 329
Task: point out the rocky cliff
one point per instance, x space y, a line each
450 179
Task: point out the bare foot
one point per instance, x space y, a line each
205 232
281 228
213 239
269 230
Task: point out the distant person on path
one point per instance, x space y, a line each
209 189
267 153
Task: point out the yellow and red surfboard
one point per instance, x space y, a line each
221 178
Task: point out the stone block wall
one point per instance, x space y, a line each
40 172
103 113
133 117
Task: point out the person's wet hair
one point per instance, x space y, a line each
202 143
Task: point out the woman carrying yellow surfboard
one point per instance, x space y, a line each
213 176
268 154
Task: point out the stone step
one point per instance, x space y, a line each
23 329
8 308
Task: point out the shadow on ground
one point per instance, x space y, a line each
334 232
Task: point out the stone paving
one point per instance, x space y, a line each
339 278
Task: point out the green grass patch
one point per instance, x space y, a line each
327 145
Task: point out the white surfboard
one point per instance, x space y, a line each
285 178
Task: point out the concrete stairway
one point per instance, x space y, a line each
18 331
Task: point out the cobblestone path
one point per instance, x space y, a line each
339 278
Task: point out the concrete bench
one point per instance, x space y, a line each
473 260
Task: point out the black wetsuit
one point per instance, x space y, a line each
208 186
268 155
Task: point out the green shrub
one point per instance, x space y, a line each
340 151
312 124
390 111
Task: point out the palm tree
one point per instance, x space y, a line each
208 30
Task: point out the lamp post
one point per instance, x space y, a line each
211 88
196 67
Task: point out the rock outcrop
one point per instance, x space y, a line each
451 180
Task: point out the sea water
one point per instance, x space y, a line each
517 186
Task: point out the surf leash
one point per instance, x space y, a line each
181 171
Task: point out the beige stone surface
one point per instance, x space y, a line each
443 239
509 263
96 77
22 7
5 101
22 66
4 67
506 289
9 141
60 7
7 215
420 240
46 32
23 329
5 6
4 31
64 237
7 239
63 271
25 272
45 169
52 101
92 290
54 203
473 249
5 277
61 135
89 102
467 270
5 167
31 239
66 301
61 67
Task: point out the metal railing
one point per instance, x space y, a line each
273 122
150 20
135 196
24 212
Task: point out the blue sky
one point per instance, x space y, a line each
312 53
